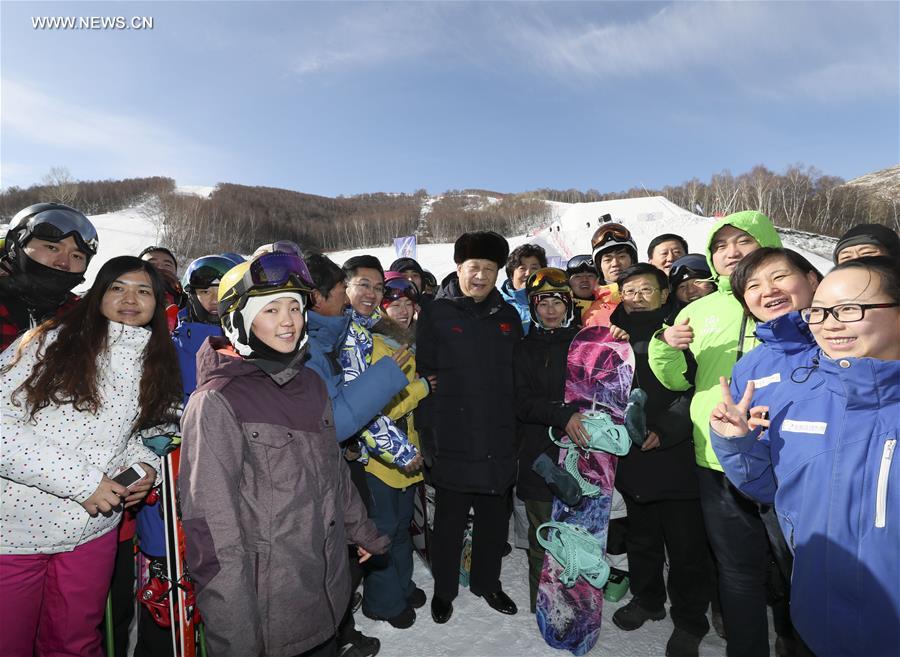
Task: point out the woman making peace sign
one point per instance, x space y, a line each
829 461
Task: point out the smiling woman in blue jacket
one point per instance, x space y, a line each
828 463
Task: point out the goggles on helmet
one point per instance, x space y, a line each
581 264
611 232
398 288
205 272
279 270
547 279
57 223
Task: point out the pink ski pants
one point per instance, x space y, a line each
51 605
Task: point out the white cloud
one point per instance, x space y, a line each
130 145
772 50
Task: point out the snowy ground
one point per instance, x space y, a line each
476 630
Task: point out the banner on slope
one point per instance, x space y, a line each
405 247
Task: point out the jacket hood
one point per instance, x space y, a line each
750 221
328 332
394 331
217 359
786 334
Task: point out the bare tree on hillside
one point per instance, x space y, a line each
61 186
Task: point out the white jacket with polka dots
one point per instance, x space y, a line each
49 466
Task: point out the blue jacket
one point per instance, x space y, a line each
518 299
188 338
830 461
357 402
787 344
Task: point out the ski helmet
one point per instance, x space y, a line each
205 272
236 258
610 236
52 222
692 265
280 273
581 264
545 283
397 286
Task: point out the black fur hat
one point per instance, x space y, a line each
483 245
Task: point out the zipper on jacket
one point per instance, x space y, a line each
883 475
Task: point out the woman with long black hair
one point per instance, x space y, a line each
75 391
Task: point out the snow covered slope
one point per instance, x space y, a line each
573 224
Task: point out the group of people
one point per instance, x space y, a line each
310 401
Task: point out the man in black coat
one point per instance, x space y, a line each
659 485
466 337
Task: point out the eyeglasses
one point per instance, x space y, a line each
644 292
609 232
846 312
368 287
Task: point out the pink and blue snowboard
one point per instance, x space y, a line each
602 368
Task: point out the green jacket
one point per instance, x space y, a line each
717 321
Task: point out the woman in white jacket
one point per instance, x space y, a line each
74 392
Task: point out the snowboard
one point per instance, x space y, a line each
182 606
600 372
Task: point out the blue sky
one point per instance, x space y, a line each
345 98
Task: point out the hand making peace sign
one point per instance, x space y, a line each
730 419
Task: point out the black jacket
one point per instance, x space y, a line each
540 369
467 426
667 472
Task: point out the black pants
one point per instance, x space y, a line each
676 527
347 625
538 513
738 539
122 593
489 532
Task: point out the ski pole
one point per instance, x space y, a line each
108 622
202 628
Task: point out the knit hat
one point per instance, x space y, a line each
238 332
406 264
481 245
876 234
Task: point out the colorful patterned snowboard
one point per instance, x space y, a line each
602 368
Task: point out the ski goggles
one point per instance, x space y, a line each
581 264
398 288
56 224
548 277
611 232
279 270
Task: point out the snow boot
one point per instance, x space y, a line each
633 615
683 644
561 483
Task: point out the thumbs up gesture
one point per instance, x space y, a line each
730 419
680 336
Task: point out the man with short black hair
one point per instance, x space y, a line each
665 249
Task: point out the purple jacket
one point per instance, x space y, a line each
268 506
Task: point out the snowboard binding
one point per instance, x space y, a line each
577 551
604 434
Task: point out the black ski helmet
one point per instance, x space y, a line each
52 222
